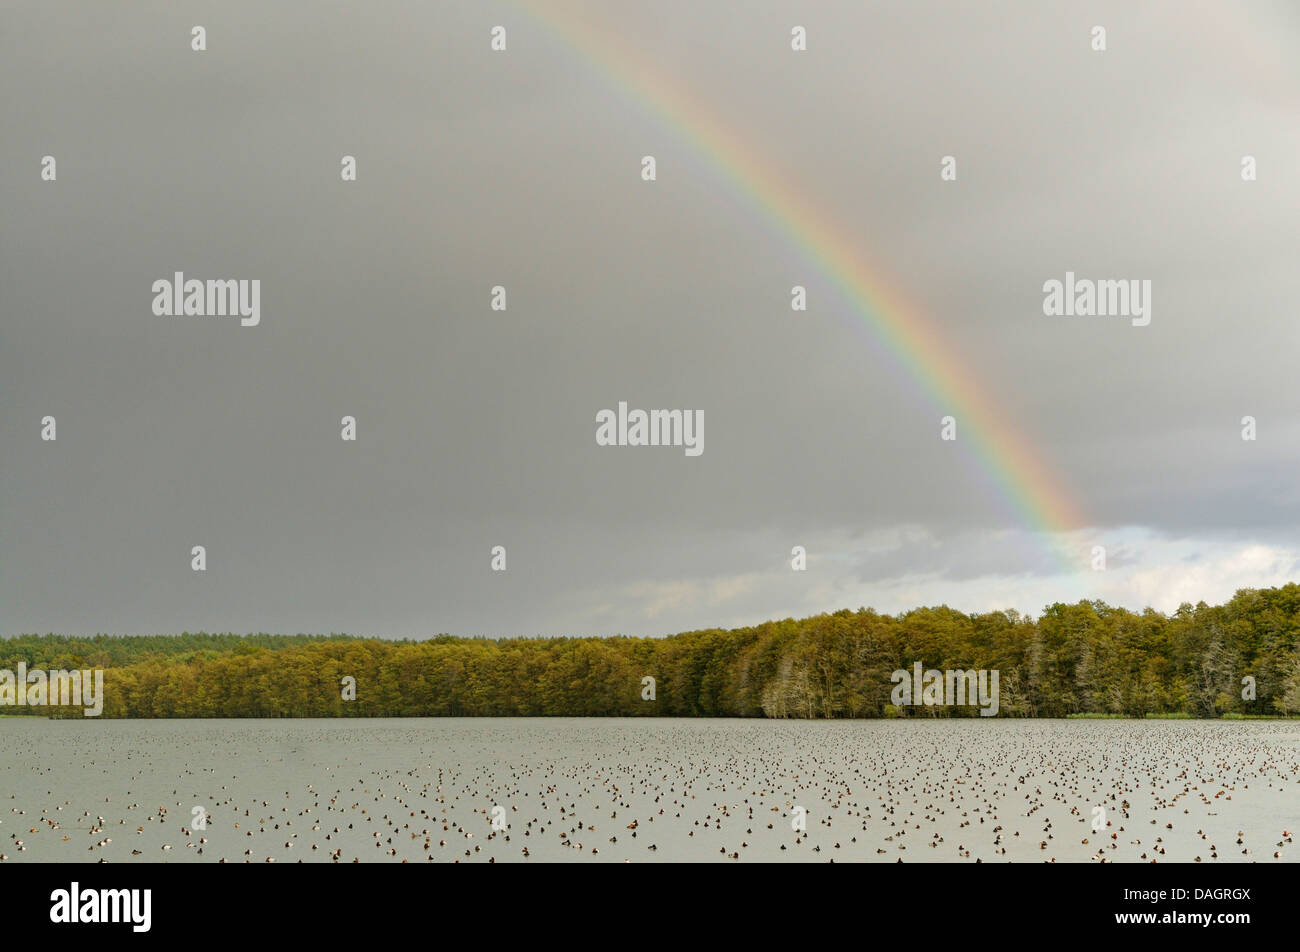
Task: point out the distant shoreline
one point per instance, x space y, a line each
1228 718
1241 659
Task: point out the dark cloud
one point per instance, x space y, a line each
477 427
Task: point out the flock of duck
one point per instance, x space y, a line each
511 790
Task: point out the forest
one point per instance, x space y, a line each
1237 659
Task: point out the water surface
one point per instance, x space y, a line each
648 790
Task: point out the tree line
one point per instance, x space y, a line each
1241 658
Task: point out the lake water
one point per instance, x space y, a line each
648 790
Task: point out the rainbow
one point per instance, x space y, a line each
1003 454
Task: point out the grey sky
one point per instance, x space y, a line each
476 428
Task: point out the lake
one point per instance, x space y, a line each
648 790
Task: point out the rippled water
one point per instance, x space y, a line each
596 790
